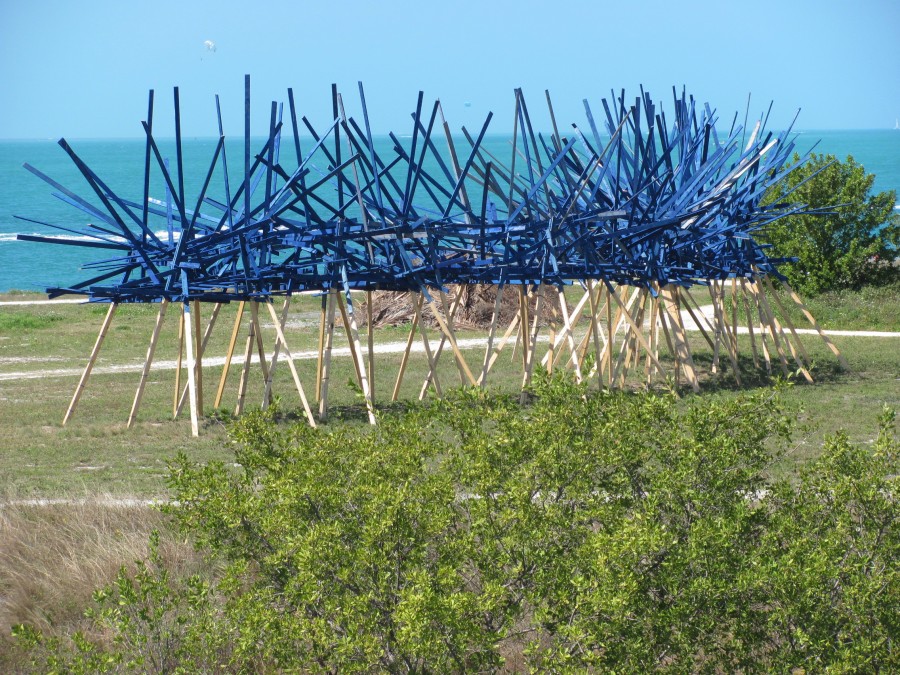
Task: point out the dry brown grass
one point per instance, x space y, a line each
54 556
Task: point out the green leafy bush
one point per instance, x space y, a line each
854 244
588 531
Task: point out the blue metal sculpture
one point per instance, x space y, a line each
657 201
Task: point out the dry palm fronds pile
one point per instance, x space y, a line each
390 308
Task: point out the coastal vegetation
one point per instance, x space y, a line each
851 236
586 531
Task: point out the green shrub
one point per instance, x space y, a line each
852 245
588 531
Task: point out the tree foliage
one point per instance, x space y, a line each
855 243
589 531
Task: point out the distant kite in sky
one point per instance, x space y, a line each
210 45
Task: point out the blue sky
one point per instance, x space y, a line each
83 69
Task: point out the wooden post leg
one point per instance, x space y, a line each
685 295
260 349
610 334
447 329
509 331
768 322
498 301
679 338
151 350
797 358
654 339
245 370
432 364
370 338
524 326
229 355
267 393
751 291
750 323
728 338
815 325
663 316
198 361
567 328
354 356
532 344
191 365
178 365
82 383
322 319
364 380
290 360
404 360
201 350
326 357
440 348
595 331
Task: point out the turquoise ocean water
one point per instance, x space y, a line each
120 163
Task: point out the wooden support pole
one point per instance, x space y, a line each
495 316
768 322
663 320
432 365
326 357
610 335
267 393
404 360
532 343
357 348
145 372
257 331
440 348
796 356
751 292
686 295
787 320
815 325
565 335
201 350
567 329
356 358
682 350
595 329
723 332
509 331
82 383
654 339
178 365
290 359
524 325
191 366
447 329
750 323
370 339
229 355
322 318
198 360
245 369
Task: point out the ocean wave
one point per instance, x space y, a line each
6 237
